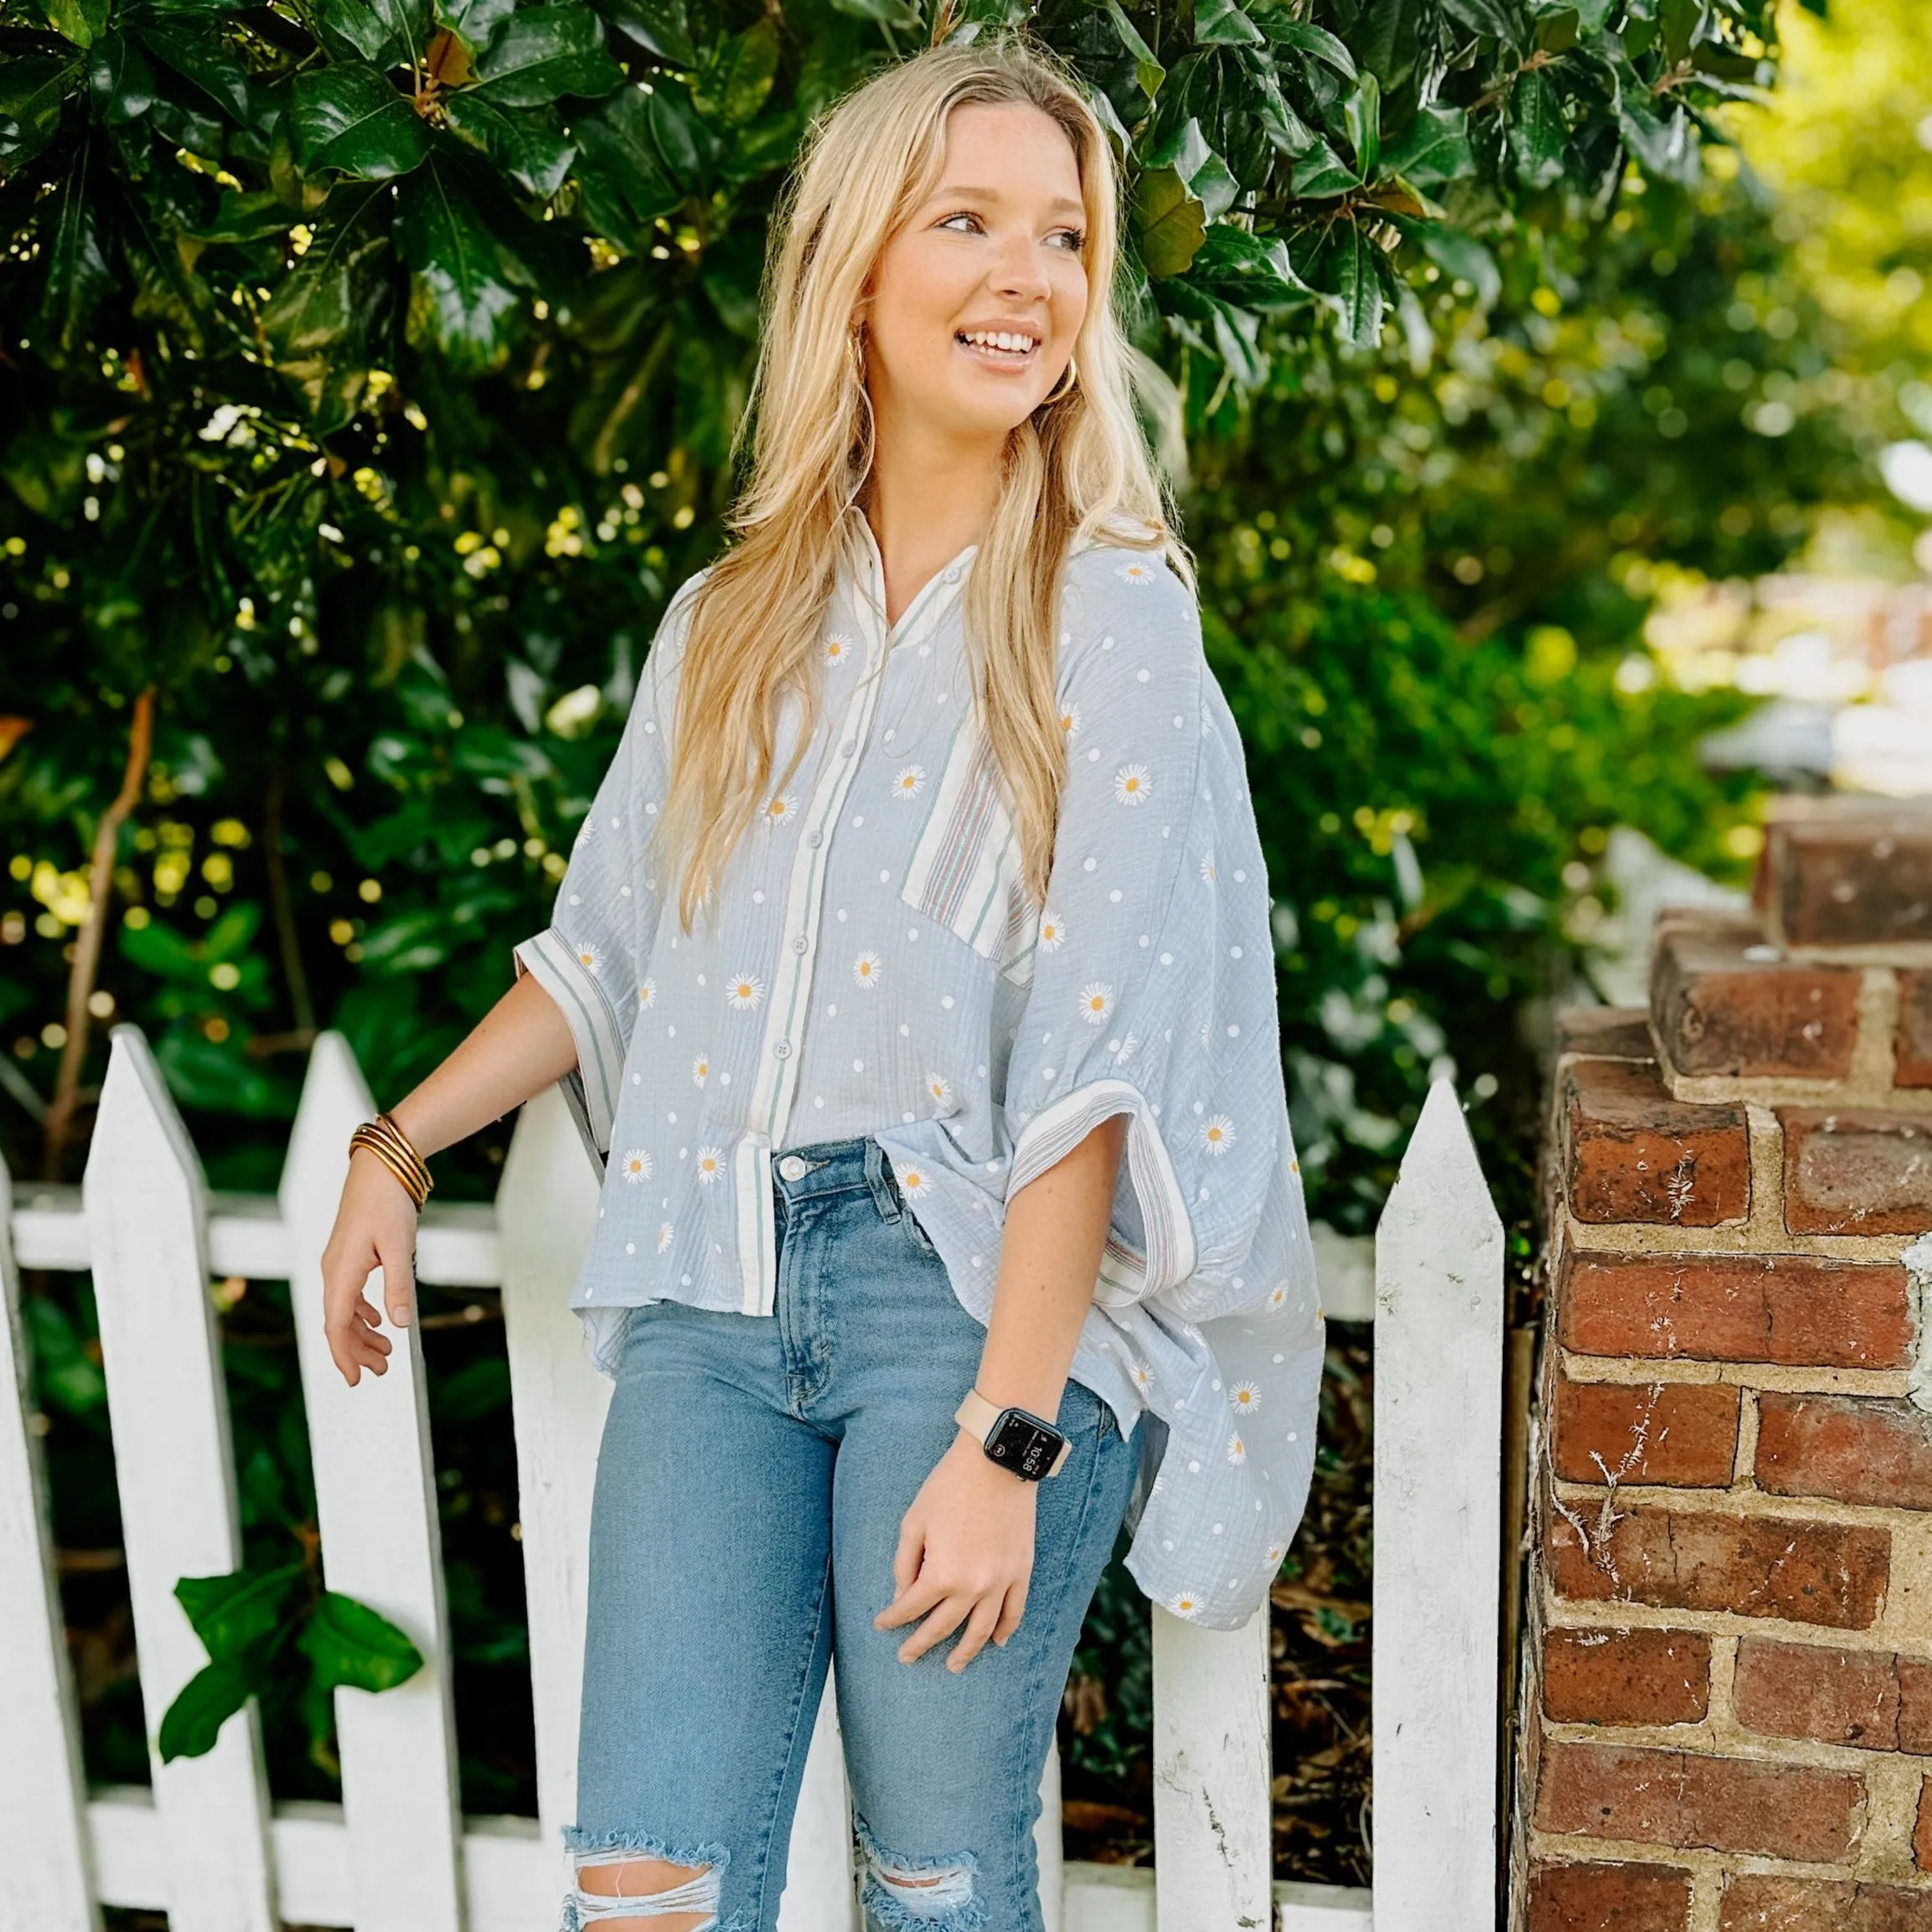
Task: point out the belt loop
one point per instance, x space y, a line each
879 1179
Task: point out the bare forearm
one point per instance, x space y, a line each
519 1048
1049 1260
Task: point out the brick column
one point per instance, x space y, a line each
1727 1717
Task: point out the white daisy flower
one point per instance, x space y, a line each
1244 1397
1142 1376
1129 1048
710 1165
1278 1295
1186 1602
744 992
1096 1002
1070 721
1052 931
941 1088
1136 572
909 781
1131 784
588 957
1237 1449
1274 1553
1217 1133
915 1184
780 811
584 832
867 968
839 648
646 994
1207 871
638 1166
700 1070
665 1231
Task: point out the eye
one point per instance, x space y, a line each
1070 239
966 215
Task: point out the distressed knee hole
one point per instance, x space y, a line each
921 1894
640 1886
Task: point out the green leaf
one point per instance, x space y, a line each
1434 148
461 292
79 20
661 25
1361 115
385 32
119 82
1356 285
1222 24
1281 127
232 1614
1148 72
1306 38
198 55
320 322
32 89
623 180
685 145
349 1644
1171 221
885 12
347 117
1322 173
203 1704
1464 258
1249 271
69 1379
473 21
541 53
247 217
1538 133
78 276
1556 32
733 84
1679 20
529 144
1494 17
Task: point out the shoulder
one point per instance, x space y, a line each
1121 602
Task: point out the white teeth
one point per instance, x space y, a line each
999 338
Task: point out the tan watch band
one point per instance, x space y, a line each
977 1416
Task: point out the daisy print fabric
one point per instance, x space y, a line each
872 966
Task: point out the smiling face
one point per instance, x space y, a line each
974 306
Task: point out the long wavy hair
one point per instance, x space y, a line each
1077 469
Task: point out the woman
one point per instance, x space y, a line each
924 886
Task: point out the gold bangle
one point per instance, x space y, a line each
391 1146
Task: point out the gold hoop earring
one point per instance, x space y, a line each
1069 381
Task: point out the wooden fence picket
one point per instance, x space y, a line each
375 1505
147 1227
44 1849
1439 1364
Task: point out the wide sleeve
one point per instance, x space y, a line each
593 959
1153 989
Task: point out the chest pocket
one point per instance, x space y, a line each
965 871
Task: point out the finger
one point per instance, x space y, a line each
398 1282
1011 1611
979 1626
911 1602
936 1628
906 1557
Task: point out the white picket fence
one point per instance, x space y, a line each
206 1844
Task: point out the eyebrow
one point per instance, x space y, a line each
1060 205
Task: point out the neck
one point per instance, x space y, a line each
928 497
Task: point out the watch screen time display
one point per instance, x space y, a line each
1023 1447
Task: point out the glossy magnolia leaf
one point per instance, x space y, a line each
887 13
541 53
1172 222
120 83
1556 32
1435 148
730 277
78 276
348 118
474 21
1228 334
1663 144
33 88
463 291
1538 133
203 1704
81 21
1322 173
349 1644
1679 20
624 181
242 218
1361 115
1148 72
732 87
233 1613
1249 271
1357 285
1306 38
685 145
1496 18
1280 125
1222 24
660 25
384 33
200 58
528 143
320 323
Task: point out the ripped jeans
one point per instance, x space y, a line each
750 1488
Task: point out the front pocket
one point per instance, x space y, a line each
965 870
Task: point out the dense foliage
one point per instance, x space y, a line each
370 375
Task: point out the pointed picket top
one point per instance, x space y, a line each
1440 1204
44 1853
375 1505
147 1209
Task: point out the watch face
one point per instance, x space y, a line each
1022 1446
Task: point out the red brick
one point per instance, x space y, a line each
1857 1173
1813 1691
1723 1002
1915 1707
1752 1903
1913 1045
1681 1798
1606 1032
1778 1307
1680 1433
1831 1574
1852 1449
1633 1152
1849 872
1921 1828
1625 1676
1622 1898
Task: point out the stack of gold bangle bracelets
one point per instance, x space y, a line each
390 1145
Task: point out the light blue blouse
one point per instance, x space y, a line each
874 967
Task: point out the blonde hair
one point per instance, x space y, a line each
1075 468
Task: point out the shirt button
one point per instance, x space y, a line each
792 1167
799 944
814 840
851 746
783 1050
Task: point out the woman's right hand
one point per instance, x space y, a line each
374 1227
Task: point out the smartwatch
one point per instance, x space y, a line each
1013 1438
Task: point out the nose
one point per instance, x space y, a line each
1018 273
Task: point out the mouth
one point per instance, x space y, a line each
999 347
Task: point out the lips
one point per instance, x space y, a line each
1013 348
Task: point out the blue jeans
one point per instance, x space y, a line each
753 1478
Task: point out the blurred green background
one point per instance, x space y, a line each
368 382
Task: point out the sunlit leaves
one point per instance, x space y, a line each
462 290
1171 222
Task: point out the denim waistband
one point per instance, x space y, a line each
856 1166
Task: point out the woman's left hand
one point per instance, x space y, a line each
965 1556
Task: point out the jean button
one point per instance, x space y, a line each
792 1167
